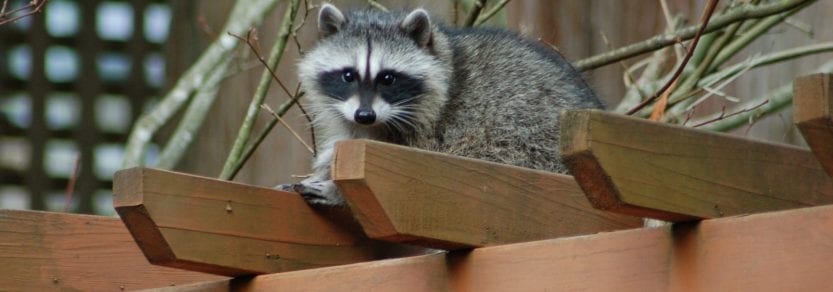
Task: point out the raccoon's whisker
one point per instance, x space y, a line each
404 101
404 120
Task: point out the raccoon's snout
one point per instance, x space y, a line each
365 116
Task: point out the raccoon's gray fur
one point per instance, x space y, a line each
481 93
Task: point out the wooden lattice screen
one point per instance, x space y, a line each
72 80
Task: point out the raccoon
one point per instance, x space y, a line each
402 78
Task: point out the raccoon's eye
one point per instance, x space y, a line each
387 79
348 76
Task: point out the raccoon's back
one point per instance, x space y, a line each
505 96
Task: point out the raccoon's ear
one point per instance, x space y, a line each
330 20
417 25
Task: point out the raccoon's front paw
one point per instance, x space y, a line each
286 187
320 193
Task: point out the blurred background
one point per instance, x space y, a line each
74 78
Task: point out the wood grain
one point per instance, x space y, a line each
42 251
408 195
672 173
778 251
227 228
813 101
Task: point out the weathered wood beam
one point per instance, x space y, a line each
813 101
778 251
43 251
667 172
431 199
226 228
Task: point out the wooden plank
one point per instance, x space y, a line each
779 251
813 101
232 229
42 251
409 195
667 172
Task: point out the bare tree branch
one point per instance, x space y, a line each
377 5
778 99
30 9
476 7
707 14
284 33
489 14
659 41
244 15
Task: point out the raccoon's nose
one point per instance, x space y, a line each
365 116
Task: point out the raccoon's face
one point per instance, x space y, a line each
372 69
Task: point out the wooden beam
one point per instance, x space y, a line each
226 228
813 101
431 199
779 251
637 167
42 251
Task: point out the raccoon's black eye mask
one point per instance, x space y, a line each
339 84
392 86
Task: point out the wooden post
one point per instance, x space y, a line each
408 195
226 228
813 101
637 167
779 251
43 251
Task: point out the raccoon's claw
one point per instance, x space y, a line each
316 193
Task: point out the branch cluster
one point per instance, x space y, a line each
691 83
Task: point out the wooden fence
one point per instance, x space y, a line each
748 216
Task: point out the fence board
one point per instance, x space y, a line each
673 173
778 251
42 251
226 228
813 101
409 195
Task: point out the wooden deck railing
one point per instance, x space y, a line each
749 215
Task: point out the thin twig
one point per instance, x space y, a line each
767 59
76 171
455 11
3 9
309 121
801 26
34 6
779 99
707 14
263 133
206 29
722 116
307 8
647 81
489 14
252 41
728 74
476 7
710 53
285 125
672 27
626 73
659 41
